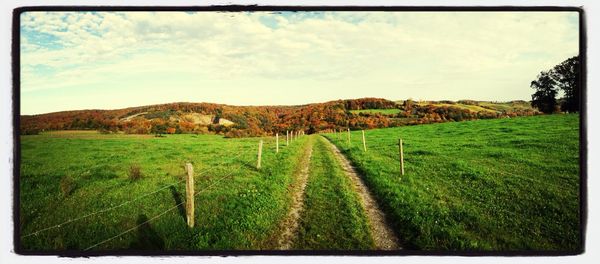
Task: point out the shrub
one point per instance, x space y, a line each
30 131
135 172
67 185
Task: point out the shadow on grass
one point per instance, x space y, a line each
248 164
147 238
179 202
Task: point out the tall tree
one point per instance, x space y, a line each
566 75
545 96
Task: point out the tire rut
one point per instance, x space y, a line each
381 232
291 223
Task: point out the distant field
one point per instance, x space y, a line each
503 184
377 111
474 108
71 132
237 206
481 106
91 134
506 106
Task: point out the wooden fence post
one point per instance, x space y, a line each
401 157
277 142
348 136
364 143
259 153
189 194
287 138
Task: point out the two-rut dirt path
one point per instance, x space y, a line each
381 232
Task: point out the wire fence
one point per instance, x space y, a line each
245 150
164 212
160 214
201 173
384 151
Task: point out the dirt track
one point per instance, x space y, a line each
382 233
290 223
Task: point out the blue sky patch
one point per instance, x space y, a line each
299 16
573 19
42 39
269 21
42 69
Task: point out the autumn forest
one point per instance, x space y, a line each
242 121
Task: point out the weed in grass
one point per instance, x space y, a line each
67 185
135 172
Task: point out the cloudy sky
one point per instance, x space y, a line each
107 60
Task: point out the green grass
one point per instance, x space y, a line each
511 106
503 184
377 111
333 217
473 108
236 207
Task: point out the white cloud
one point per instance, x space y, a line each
395 55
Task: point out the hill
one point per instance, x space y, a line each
241 121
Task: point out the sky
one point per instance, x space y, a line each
110 60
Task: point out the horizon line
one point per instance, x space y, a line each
291 105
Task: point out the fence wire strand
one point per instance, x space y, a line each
161 214
201 173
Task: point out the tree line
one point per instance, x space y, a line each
563 79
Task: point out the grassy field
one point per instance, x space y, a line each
333 217
377 111
474 108
480 106
503 184
68 175
509 106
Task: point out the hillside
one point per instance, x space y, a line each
240 121
483 185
